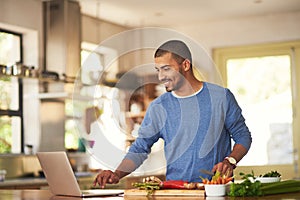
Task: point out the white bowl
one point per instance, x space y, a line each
215 198
215 190
268 179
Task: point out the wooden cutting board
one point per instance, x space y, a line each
170 192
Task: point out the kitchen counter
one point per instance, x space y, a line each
46 195
41 183
20 183
85 182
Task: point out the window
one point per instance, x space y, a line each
10 47
262 86
11 119
74 118
265 82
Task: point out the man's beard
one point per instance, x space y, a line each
177 85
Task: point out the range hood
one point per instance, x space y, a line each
62 41
62 37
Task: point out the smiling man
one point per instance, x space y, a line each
197 121
175 71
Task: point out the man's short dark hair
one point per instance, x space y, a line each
178 48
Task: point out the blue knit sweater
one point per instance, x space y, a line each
197 131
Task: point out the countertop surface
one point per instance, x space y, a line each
46 195
23 181
36 182
85 181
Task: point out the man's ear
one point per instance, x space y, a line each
186 65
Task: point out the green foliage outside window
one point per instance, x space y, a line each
5 122
5 135
9 54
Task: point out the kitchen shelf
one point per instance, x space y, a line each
40 79
53 95
65 95
135 115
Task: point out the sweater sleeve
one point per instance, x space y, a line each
235 122
149 133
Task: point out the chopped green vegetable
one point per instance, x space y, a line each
271 174
280 187
149 187
246 188
249 187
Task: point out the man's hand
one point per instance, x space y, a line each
106 176
224 168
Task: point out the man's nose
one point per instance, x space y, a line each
161 75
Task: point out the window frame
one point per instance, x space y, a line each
21 42
19 112
291 48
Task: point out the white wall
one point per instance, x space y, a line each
245 31
25 17
96 31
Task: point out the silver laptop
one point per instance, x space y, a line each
61 178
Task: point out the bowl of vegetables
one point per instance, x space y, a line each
270 177
215 190
217 186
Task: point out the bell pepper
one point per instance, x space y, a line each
174 184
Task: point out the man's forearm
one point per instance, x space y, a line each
126 167
238 152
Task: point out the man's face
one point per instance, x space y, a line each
169 72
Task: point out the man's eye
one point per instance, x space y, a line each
166 68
